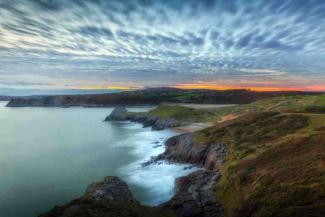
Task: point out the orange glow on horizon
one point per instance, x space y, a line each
256 88
209 86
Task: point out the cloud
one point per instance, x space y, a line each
141 41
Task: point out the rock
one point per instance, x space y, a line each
111 188
215 157
109 198
118 114
155 122
181 148
194 196
161 124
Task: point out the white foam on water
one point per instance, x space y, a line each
157 180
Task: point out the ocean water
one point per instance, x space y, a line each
48 156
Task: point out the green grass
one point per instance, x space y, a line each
288 104
182 113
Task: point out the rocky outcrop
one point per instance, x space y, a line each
155 122
182 148
108 198
111 188
147 120
194 196
118 114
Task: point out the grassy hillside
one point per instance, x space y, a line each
275 165
182 113
287 104
276 160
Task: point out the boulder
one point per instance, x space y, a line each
118 114
111 188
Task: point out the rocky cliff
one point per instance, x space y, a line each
195 196
147 119
118 114
183 148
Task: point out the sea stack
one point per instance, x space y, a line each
118 114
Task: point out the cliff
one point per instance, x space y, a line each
268 164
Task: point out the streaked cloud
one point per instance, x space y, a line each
70 43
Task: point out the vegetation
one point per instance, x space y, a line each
287 104
276 160
182 113
275 165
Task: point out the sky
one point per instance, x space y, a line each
130 44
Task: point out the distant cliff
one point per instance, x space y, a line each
151 96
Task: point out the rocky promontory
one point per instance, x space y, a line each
183 148
118 114
146 118
108 198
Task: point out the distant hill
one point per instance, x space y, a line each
5 98
150 96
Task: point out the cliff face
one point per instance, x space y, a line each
155 122
184 149
195 196
118 114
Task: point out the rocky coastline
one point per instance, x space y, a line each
194 194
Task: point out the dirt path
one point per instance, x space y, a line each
201 106
193 127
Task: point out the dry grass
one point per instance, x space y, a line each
275 165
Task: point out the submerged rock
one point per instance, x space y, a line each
118 114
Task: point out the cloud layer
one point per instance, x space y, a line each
70 43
